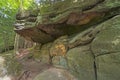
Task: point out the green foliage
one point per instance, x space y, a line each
8 10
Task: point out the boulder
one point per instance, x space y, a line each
81 63
108 66
108 40
106 48
55 74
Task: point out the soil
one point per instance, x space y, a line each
30 67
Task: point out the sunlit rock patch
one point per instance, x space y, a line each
3 70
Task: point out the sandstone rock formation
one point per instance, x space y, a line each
85 41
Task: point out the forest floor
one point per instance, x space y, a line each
31 68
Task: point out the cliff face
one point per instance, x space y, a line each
84 40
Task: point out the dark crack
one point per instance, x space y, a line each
94 64
92 6
112 52
95 69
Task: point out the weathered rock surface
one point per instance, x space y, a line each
108 66
42 54
55 74
106 48
108 4
81 63
101 57
72 23
98 60
108 40
93 54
